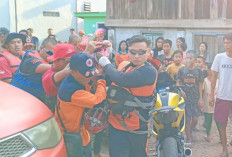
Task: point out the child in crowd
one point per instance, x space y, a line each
122 54
158 50
203 51
208 109
179 41
164 79
201 64
183 48
167 57
173 68
192 78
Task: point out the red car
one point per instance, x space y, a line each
27 126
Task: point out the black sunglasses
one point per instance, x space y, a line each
50 53
140 52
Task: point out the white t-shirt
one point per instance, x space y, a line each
223 65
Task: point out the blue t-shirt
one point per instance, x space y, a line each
29 64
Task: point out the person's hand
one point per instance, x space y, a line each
200 104
92 46
103 61
211 100
101 70
67 68
183 93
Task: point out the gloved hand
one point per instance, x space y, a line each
103 61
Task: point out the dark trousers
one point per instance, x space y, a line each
126 144
97 142
87 150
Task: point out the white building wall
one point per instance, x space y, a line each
30 14
96 5
4 14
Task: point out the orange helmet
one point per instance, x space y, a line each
81 32
96 120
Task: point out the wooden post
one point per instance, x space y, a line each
214 9
179 9
191 9
224 8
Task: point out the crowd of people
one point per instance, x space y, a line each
71 79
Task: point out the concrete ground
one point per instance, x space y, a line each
200 147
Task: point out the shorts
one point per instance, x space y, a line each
192 110
222 110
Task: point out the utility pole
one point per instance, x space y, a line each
16 17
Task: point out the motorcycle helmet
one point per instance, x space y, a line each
95 120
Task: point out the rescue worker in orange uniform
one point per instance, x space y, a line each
128 130
10 57
74 97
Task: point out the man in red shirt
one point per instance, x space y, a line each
60 69
10 57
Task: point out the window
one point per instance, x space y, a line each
51 13
87 7
152 37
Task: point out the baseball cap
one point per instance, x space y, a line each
12 36
84 64
62 50
4 30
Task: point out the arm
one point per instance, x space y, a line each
33 65
200 103
42 68
215 70
86 99
60 75
92 46
136 78
178 82
5 71
213 85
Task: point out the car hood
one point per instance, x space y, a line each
19 110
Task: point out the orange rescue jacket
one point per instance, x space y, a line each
133 121
71 112
13 60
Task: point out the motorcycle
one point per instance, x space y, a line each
169 124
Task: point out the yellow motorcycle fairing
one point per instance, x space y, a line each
173 101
